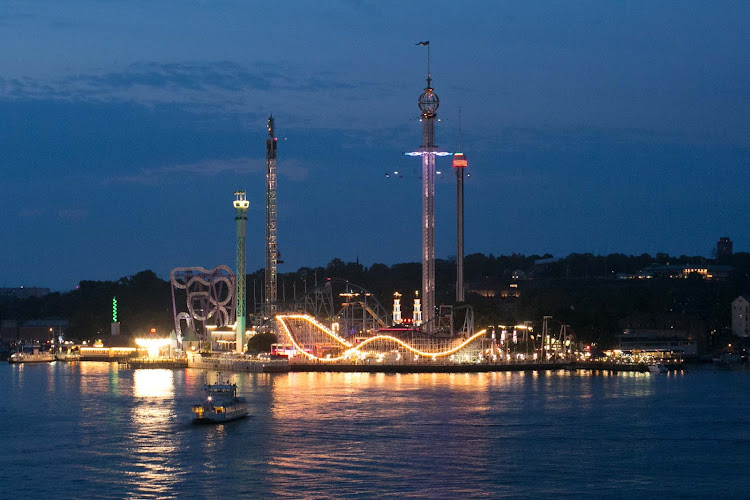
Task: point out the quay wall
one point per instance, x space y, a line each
239 364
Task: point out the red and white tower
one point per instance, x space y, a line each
459 164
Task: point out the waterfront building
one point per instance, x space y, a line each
658 341
741 316
685 330
37 330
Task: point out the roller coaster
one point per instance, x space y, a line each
312 340
343 322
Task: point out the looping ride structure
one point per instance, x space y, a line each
209 298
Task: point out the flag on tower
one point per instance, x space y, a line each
423 43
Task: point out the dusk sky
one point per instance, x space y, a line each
589 127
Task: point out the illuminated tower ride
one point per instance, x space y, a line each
272 251
459 163
240 208
428 104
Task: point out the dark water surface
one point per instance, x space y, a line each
92 430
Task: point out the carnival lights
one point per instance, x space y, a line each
358 349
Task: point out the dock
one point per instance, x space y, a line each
237 363
167 363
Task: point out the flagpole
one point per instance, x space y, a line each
428 61
427 44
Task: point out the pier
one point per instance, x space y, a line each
236 363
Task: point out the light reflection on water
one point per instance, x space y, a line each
152 472
95 429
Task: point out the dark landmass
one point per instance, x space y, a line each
580 290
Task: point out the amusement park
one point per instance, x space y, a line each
338 322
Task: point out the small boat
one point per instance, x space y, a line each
657 368
221 405
31 357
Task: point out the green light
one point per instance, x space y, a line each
114 309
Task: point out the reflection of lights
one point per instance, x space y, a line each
154 471
152 383
152 345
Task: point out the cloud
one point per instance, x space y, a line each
208 168
30 212
73 213
221 86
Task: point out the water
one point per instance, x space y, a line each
95 430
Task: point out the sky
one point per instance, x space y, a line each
589 126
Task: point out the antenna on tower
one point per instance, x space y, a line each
427 44
459 128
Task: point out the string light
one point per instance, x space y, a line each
358 348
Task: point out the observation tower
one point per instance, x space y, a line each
428 104
240 216
272 251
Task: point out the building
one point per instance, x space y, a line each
723 247
741 316
658 341
675 271
38 330
671 331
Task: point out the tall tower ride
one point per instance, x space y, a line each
240 216
428 104
272 251
459 163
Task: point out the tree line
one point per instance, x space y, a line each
580 290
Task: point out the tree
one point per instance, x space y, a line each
261 342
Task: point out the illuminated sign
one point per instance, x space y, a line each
459 160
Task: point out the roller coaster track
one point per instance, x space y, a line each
285 321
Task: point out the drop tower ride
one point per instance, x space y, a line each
428 104
272 251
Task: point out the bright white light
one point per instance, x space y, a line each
152 345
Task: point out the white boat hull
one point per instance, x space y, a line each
31 358
222 405
213 417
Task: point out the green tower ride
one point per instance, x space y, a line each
240 205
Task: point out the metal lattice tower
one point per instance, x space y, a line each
240 205
272 251
428 104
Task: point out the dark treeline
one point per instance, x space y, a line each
580 290
144 301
